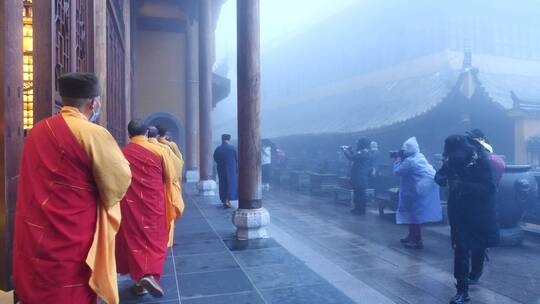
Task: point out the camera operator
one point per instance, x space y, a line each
419 200
471 208
361 168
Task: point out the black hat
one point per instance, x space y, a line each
363 143
476 133
456 144
79 85
152 132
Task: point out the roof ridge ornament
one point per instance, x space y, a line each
467 58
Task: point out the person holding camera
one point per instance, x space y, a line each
468 173
419 200
361 169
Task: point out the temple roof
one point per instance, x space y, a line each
396 94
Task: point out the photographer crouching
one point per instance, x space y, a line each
471 209
419 200
362 166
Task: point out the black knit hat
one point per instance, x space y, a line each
363 143
476 134
457 144
79 85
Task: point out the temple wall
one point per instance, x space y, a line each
160 73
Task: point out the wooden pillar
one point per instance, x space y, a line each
249 104
11 126
520 146
192 90
250 218
44 45
127 65
205 91
100 53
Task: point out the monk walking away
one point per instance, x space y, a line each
178 165
148 211
73 175
165 138
227 166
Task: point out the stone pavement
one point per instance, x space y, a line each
320 253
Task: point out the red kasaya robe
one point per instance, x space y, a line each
55 219
141 243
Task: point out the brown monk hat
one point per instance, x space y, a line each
79 85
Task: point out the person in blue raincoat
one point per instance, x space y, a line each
419 200
226 159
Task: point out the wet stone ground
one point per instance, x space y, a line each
320 253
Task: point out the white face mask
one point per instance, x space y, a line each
95 113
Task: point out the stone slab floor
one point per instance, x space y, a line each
320 253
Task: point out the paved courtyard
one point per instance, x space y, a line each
320 253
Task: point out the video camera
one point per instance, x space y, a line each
397 154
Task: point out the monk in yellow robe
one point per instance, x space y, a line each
178 165
141 244
73 176
163 137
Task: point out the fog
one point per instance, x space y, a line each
281 20
388 69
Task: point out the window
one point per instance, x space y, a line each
28 65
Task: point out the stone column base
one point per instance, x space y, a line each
192 176
251 223
207 187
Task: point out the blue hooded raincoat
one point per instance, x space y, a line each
419 200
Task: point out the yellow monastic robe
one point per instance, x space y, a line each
173 146
178 201
178 162
113 177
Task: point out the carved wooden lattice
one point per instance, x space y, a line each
82 35
62 19
116 116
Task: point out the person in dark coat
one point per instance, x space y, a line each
481 142
362 165
227 166
468 173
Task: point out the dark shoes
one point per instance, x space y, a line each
460 298
358 211
227 204
405 240
474 280
413 244
139 290
149 283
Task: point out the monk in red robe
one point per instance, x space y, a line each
73 176
146 212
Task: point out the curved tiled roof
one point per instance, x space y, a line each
393 95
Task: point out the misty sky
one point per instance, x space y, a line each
280 20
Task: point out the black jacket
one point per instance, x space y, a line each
471 203
361 168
